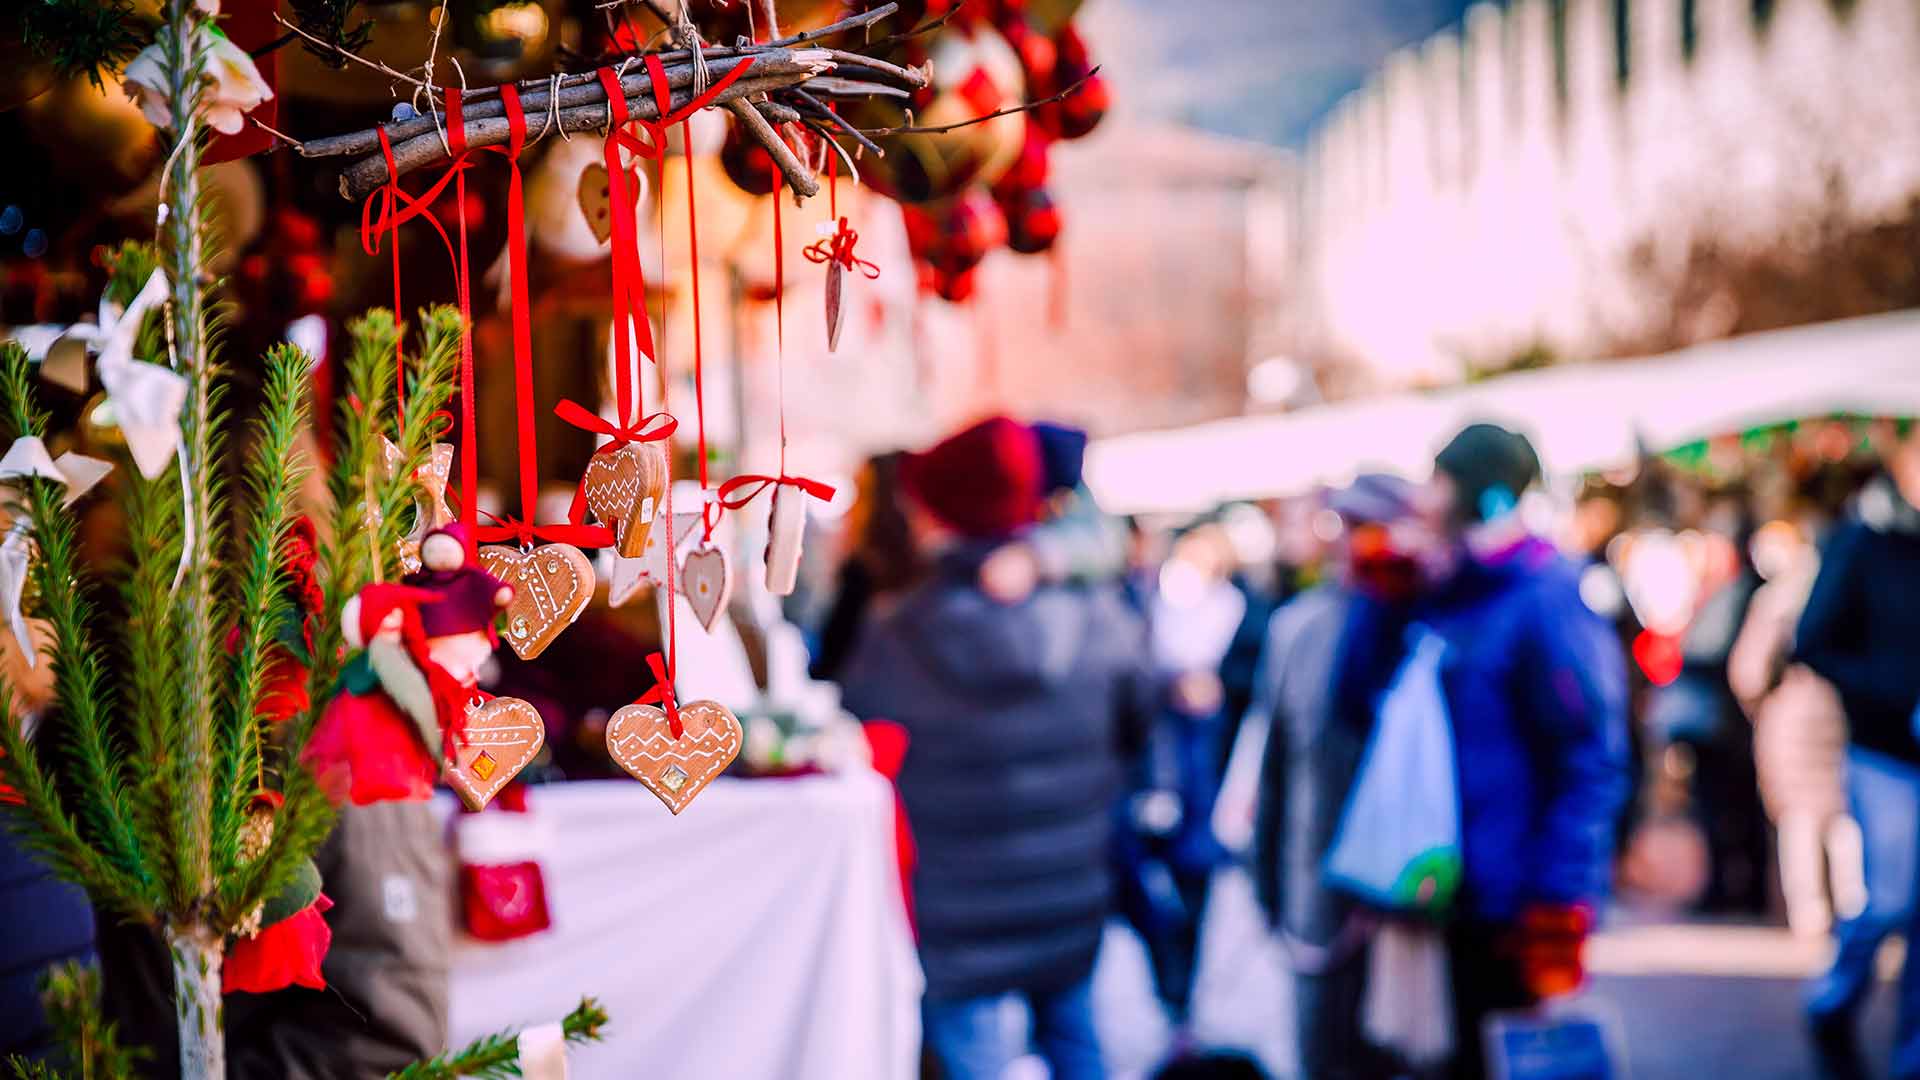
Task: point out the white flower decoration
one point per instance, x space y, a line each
233 85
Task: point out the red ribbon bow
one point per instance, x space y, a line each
839 249
662 693
729 496
513 530
653 427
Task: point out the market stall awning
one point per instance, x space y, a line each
1581 417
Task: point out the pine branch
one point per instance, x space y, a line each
301 825
493 1056
149 650
344 562
329 36
81 702
182 249
70 996
272 481
43 824
22 1069
83 36
47 825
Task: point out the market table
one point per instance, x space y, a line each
760 934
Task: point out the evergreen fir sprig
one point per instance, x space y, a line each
70 997
90 843
259 602
495 1056
149 652
83 36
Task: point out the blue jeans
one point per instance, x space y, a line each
1885 796
973 1041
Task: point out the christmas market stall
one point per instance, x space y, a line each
416 416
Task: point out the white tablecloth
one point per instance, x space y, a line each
758 935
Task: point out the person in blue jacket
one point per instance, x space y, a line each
1536 690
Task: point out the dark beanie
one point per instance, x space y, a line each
983 482
1490 467
1063 455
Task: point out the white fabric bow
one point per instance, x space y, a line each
78 473
147 398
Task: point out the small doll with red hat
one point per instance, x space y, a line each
402 701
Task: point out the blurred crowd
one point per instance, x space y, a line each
1698 691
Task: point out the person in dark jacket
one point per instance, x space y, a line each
1859 631
1014 712
1535 686
48 922
1307 771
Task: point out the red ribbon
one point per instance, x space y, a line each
662 693
839 249
522 328
513 530
729 496
629 283
396 207
653 427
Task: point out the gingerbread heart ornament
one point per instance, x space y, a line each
705 581
623 488
551 587
675 770
504 734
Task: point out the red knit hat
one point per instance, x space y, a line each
983 482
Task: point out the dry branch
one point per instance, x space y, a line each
421 151
766 96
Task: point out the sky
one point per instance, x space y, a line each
1265 70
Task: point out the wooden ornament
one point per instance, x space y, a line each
675 770
551 587
836 309
503 736
596 200
624 488
786 526
430 510
705 582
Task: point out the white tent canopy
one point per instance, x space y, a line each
1581 417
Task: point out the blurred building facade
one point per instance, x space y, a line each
1167 285
1587 178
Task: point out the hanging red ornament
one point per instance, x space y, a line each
1033 222
973 227
1081 111
747 164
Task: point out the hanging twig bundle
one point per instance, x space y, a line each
785 84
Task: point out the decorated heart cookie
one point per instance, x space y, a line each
623 488
786 525
705 582
641 740
503 736
551 587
